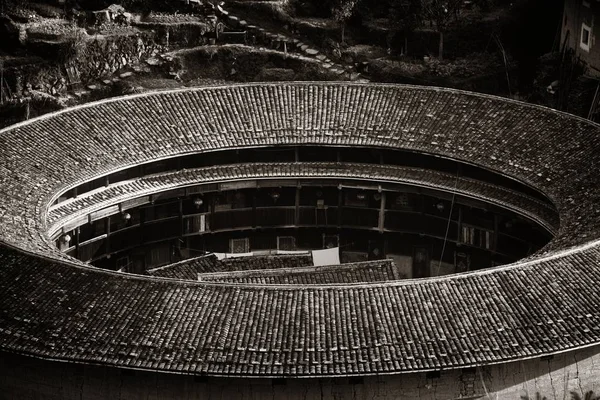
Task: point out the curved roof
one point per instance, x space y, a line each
55 307
65 212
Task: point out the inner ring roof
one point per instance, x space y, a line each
52 306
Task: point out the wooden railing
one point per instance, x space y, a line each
176 226
231 219
360 217
313 216
275 216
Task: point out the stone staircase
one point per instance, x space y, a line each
291 45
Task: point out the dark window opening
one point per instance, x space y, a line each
278 382
433 375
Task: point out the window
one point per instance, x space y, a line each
330 241
195 224
355 198
585 43
477 237
433 375
287 243
402 202
239 245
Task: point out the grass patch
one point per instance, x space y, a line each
435 71
53 29
167 18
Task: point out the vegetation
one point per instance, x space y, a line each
405 17
441 42
441 12
242 63
434 71
527 41
341 11
46 10
53 29
112 28
162 17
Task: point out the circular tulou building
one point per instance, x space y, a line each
398 242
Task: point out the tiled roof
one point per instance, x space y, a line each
537 210
267 262
55 307
182 270
189 269
360 272
204 264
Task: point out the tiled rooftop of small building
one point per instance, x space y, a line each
189 269
53 306
360 272
266 262
183 270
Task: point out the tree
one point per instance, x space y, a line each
405 16
342 10
525 41
440 12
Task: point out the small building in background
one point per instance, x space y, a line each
579 32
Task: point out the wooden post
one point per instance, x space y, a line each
382 213
297 211
340 202
77 230
181 230
495 239
107 230
254 209
141 230
459 228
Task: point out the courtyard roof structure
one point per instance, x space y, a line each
55 307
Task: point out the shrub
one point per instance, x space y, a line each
46 10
